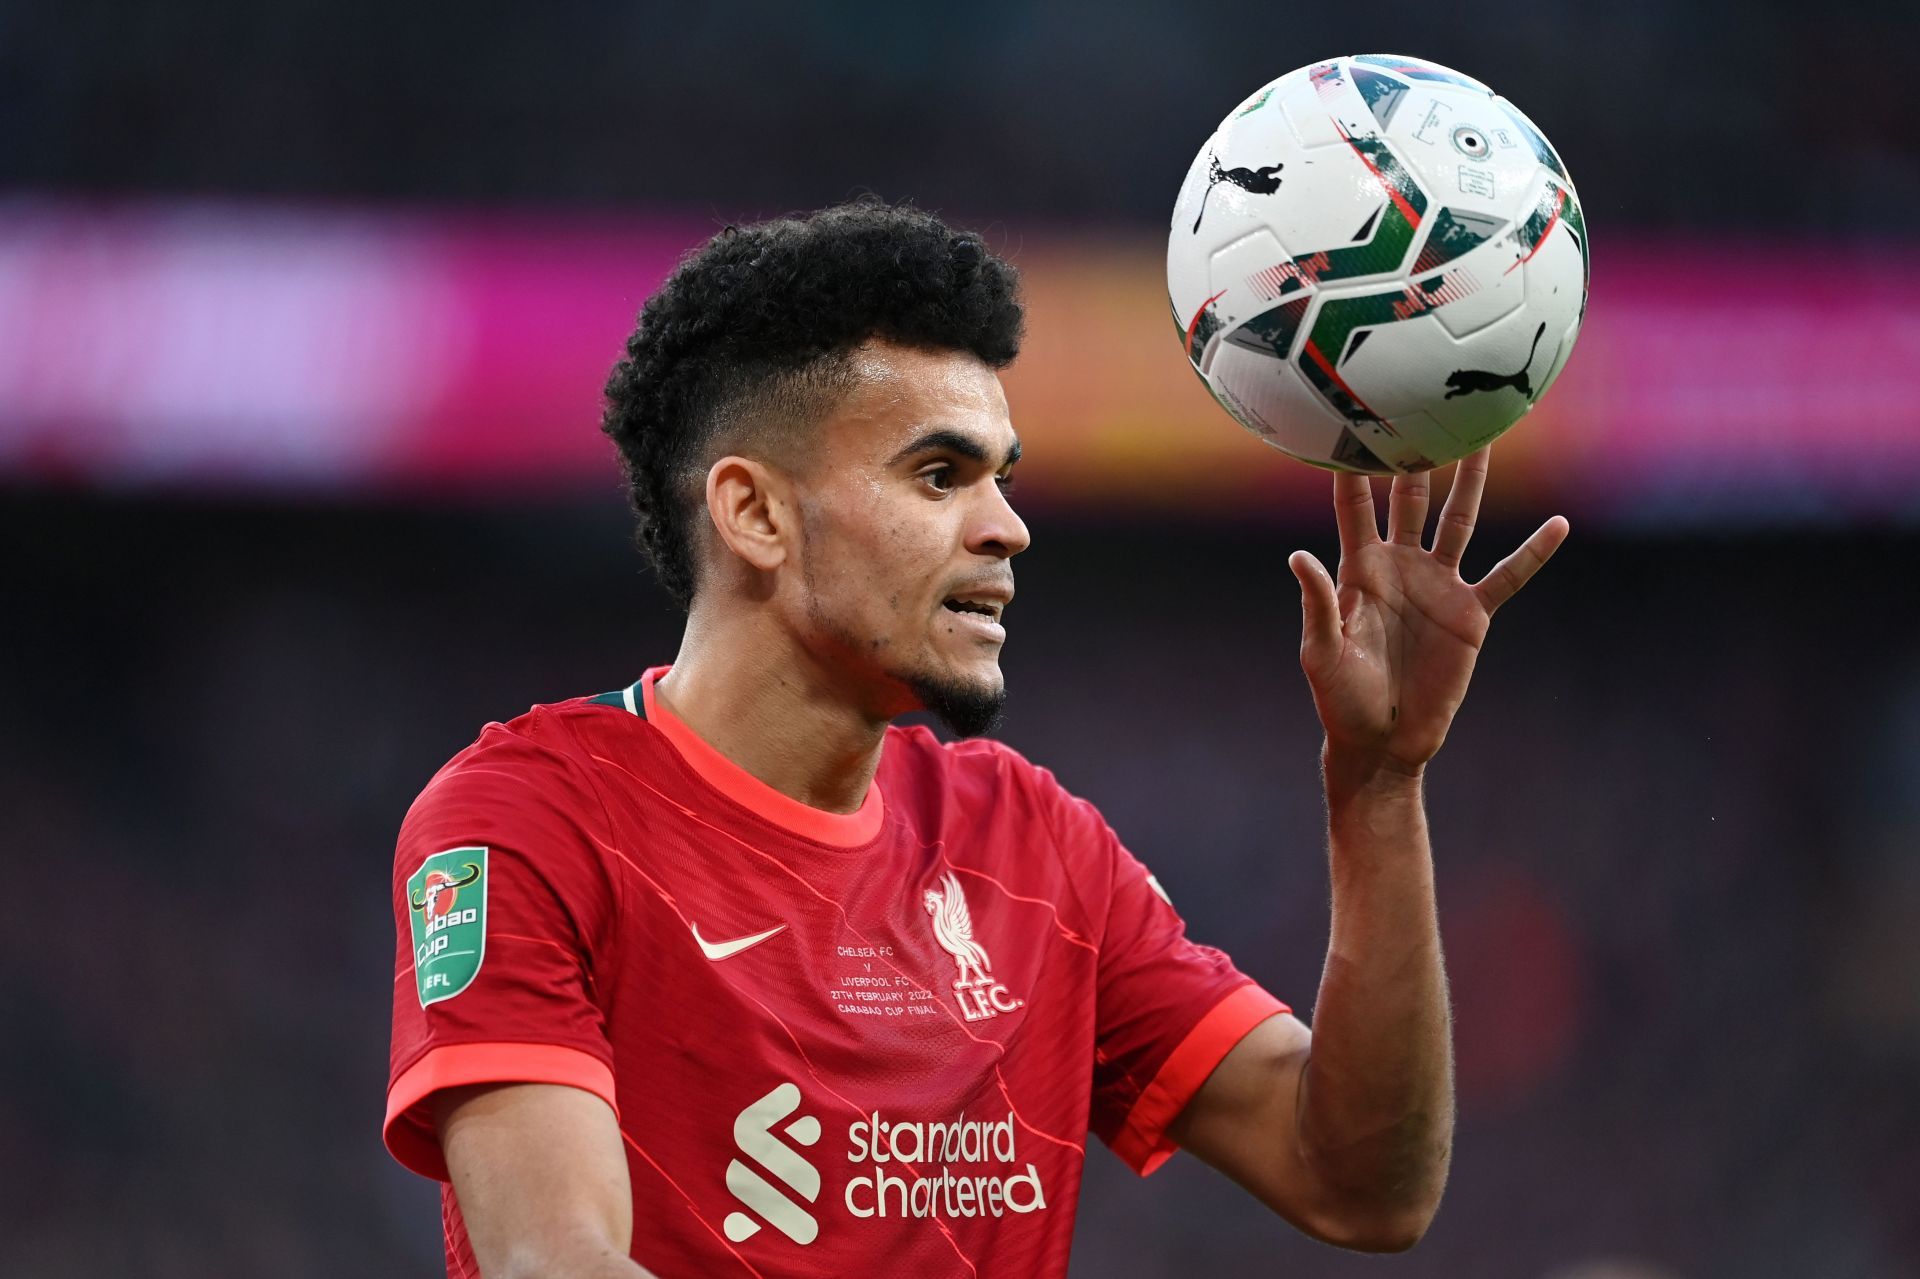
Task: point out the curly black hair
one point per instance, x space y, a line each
750 341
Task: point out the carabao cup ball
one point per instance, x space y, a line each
1377 264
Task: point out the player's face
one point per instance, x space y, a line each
909 535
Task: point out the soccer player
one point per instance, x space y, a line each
721 973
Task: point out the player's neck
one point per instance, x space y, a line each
777 718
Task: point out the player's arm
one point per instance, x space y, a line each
1346 1131
1350 1133
541 1179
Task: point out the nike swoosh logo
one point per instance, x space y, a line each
728 949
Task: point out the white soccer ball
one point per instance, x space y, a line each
1377 264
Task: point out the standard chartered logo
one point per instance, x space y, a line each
902 1169
926 1184
753 1134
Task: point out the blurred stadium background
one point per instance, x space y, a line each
303 314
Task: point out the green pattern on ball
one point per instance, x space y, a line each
1394 236
1257 101
1337 320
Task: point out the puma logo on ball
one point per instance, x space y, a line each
1261 181
1467 381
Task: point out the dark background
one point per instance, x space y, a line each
1769 115
1674 825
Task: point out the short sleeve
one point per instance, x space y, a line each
1167 1009
501 903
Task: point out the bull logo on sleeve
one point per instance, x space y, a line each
974 988
441 890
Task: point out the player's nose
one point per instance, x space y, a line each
996 528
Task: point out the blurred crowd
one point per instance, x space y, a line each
1712 115
1673 830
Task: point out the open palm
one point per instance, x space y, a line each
1389 649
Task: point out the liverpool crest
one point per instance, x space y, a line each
974 987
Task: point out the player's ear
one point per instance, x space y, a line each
749 503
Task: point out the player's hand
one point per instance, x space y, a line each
1389 650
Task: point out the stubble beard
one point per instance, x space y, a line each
968 710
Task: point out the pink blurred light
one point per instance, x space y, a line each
211 345
1744 366
293 348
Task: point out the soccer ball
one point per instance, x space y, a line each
1377 265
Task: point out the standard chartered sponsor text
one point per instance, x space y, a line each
912 1187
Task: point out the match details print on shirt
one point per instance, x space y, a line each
976 993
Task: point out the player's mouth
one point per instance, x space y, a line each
979 612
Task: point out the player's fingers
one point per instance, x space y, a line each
1461 511
1353 512
1319 611
1512 573
1407 508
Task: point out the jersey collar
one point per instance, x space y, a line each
842 830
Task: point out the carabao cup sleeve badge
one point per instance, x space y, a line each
447 902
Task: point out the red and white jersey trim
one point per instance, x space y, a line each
1143 1143
410 1136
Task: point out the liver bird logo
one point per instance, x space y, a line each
953 929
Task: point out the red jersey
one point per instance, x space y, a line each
857 1044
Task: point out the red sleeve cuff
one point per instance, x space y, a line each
410 1133
1142 1140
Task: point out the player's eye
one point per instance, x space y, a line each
938 478
1005 481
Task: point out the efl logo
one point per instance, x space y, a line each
753 1133
975 990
